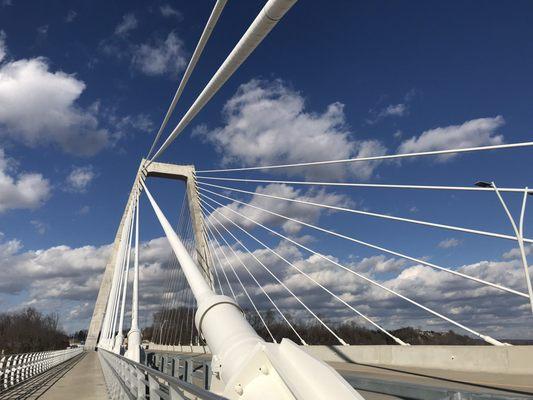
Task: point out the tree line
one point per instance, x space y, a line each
29 331
171 324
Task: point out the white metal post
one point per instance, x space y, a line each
519 237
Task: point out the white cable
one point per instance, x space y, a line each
363 185
209 26
210 247
371 214
242 285
252 275
126 275
375 158
226 276
377 326
488 339
341 341
385 250
267 18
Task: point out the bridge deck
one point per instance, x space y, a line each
84 382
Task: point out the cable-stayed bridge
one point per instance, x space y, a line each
225 325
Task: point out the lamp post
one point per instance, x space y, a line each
161 331
519 230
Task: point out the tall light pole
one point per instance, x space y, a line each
519 231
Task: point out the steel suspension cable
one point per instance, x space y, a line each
242 285
211 250
209 26
382 249
488 339
374 158
252 275
372 214
363 185
339 339
265 21
377 326
225 276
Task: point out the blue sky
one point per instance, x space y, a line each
83 88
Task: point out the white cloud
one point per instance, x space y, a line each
449 243
80 178
38 106
476 132
302 212
23 190
168 11
267 123
160 57
66 280
488 310
129 22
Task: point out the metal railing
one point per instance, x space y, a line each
16 368
126 379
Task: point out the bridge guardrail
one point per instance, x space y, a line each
16 368
128 379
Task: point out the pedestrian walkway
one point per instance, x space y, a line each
83 382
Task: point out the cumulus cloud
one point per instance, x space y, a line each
267 123
80 178
20 190
38 106
476 132
302 212
66 279
474 305
129 22
160 57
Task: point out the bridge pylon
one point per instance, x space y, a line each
184 173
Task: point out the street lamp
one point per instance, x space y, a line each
519 231
483 184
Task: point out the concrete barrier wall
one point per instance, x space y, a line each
495 359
